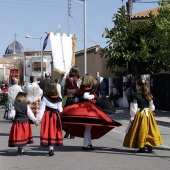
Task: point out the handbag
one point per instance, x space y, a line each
11 112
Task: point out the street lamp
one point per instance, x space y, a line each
41 53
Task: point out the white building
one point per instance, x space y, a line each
32 64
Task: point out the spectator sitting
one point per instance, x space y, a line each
103 87
114 95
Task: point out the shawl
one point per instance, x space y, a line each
34 92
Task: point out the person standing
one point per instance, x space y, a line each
34 94
58 87
5 102
142 131
13 90
70 85
21 132
43 83
51 127
24 86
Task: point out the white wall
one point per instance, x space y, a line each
28 63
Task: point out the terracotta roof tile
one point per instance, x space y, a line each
6 61
88 49
145 14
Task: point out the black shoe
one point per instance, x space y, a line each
66 135
20 152
51 152
72 137
141 150
149 148
87 148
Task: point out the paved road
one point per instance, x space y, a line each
108 154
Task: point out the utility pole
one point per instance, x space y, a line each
69 14
129 8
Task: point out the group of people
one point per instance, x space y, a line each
81 113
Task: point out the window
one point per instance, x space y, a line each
36 66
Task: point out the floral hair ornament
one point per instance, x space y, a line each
144 81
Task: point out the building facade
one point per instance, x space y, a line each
32 64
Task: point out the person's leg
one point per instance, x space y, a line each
66 135
21 150
87 138
69 101
115 103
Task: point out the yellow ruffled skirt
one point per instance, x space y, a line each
143 131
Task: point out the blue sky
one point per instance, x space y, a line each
35 17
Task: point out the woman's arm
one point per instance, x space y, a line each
60 108
88 96
151 105
30 114
42 109
133 109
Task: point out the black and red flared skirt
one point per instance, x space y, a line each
51 129
20 134
76 116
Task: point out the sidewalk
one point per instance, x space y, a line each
162 117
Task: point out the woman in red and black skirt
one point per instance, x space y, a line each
51 126
84 119
21 132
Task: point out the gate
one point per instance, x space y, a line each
160 88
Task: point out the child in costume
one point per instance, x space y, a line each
84 119
142 131
21 132
51 126
69 83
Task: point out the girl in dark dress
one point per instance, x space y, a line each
70 86
84 119
21 132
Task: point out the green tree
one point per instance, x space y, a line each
138 47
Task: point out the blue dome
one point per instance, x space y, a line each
14 48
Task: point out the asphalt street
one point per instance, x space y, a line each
108 151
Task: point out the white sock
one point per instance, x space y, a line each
51 147
23 148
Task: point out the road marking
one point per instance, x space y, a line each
165 146
164 127
116 131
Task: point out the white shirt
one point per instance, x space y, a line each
12 92
86 96
45 103
133 110
30 114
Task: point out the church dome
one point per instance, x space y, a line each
14 48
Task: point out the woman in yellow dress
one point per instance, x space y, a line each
142 131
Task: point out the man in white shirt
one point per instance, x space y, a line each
13 91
